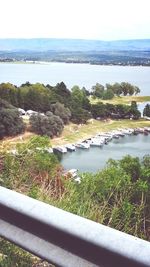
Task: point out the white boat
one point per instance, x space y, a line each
74 175
107 137
128 131
61 149
71 147
147 129
96 142
83 145
118 132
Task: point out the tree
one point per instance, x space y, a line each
137 90
124 87
85 91
98 90
110 108
133 111
10 122
35 97
77 95
5 104
62 93
128 88
131 165
79 105
146 111
8 92
108 94
46 125
116 87
26 84
59 110
99 110
123 110
80 115
131 90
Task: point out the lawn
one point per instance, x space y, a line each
122 100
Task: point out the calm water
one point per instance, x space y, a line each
75 74
95 158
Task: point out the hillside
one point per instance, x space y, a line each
126 52
45 44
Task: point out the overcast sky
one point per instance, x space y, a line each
84 19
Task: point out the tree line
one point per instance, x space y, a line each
116 89
55 107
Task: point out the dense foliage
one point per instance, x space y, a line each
62 105
117 196
146 111
58 109
50 125
117 89
40 97
115 111
10 122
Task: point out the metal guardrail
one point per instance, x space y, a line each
65 239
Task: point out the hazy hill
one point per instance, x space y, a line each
45 44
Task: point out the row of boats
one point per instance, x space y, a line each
101 139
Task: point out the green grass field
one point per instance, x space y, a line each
122 100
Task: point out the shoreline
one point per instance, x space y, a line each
75 63
73 133
93 127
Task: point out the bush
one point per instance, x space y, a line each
59 110
46 125
108 94
146 111
10 122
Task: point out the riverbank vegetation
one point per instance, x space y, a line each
117 196
49 108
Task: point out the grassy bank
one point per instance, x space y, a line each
122 100
73 133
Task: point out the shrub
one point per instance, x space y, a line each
46 125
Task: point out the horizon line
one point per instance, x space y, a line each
67 38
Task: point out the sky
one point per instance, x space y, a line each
82 19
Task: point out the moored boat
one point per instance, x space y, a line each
83 145
61 149
70 147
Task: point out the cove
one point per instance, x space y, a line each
95 158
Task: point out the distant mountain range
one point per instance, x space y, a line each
125 52
47 44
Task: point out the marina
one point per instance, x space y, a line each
134 142
101 139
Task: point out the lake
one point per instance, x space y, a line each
95 158
75 74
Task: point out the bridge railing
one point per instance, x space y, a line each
65 239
